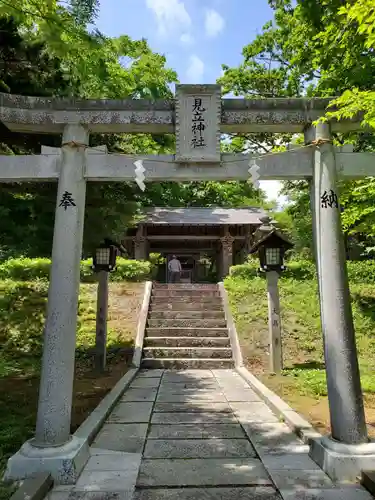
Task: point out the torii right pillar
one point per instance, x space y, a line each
347 450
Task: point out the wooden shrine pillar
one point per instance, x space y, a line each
140 244
226 254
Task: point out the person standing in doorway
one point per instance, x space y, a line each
175 269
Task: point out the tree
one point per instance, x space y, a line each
316 48
30 68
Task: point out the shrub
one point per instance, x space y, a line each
362 271
131 270
25 269
358 271
302 269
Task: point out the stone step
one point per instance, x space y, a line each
204 314
187 342
185 293
186 332
187 363
186 306
184 286
186 300
187 352
186 323
368 481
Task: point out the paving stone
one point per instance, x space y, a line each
108 462
57 495
198 448
101 495
272 436
191 397
253 412
181 389
102 451
226 374
136 395
106 481
232 383
150 373
208 383
239 493
193 406
121 437
130 412
350 493
186 375
195 431
203 472
289 461
241 395
300 479
193 418
144 382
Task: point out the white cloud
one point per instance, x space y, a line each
214 23
186 39
195 70
272 190
171 15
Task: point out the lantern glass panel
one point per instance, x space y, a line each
103 256
273 257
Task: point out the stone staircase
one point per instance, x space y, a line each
186 328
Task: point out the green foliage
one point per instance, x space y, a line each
300 318
132 270
316 48
26 269
358 271
47 50
360 18
21 332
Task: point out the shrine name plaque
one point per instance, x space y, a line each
198 119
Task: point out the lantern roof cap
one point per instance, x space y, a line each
268 233
111 243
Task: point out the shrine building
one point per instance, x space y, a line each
207 241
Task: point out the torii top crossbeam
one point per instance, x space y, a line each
47 115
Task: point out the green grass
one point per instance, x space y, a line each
22 314
304 373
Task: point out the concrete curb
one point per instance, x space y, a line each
141 327
93 423
298 424
34 488
234 342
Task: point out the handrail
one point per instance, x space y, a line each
141 326
236 348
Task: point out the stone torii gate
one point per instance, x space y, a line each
198 116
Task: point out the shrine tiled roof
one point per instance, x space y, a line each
204 216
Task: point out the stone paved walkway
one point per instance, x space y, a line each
199 434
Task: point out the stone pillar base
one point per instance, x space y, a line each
64 463
342 462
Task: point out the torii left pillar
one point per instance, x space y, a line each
53 449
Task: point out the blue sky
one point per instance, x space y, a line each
196 36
